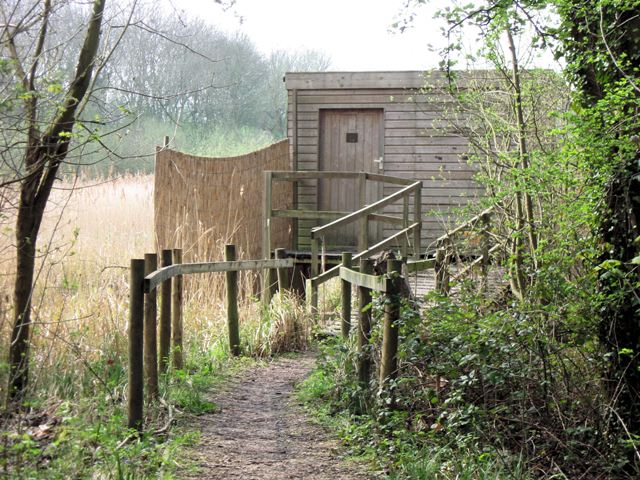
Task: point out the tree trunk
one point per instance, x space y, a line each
620 313
522 149
22 294
43 155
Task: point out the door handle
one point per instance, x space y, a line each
380 162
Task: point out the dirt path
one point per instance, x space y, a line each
260 432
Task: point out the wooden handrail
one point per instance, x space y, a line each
307 214
468 224
377 177
162 274
358 214
478 260
316 175
378 247
379 283
285 175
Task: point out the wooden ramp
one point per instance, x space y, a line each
422 283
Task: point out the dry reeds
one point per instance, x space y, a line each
202 203
91 230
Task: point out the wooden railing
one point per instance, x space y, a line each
144 359
390 285
409 233
474 249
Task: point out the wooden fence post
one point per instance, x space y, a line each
283 273
441 269
232 302
165 314
363 224
151 331
315 267
176 314
486 225
364 327
417 218
266 234
136 342
405 224
389 359
346 298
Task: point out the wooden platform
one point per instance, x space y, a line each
424 282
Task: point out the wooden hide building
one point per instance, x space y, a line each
378 122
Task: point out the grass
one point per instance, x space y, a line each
74 425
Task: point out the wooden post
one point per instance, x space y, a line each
437 269
232 302
485 219
266 235
165 314
283 273
176 314
150 331
364 327
314 273
308 293
136 344
346 298
405 224
363 224
442 270
389 360
417 218
165 144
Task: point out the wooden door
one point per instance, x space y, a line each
350 140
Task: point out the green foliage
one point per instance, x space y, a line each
400 442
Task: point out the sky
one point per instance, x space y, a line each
355 34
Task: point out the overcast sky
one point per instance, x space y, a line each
355 34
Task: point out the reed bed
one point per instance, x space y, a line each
92 229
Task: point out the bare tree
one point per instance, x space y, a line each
48 133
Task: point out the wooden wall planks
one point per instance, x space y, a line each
419 139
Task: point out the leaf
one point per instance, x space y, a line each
54 88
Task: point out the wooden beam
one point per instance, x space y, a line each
153 280
468 224
366 210
308 214
378 247
364 331
372 282
151 331
363 224
232 302
346 298
390 219
417 219
295 176
266 215
164 343
420 265
135 399
176 314
377 177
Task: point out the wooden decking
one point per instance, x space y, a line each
424 282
